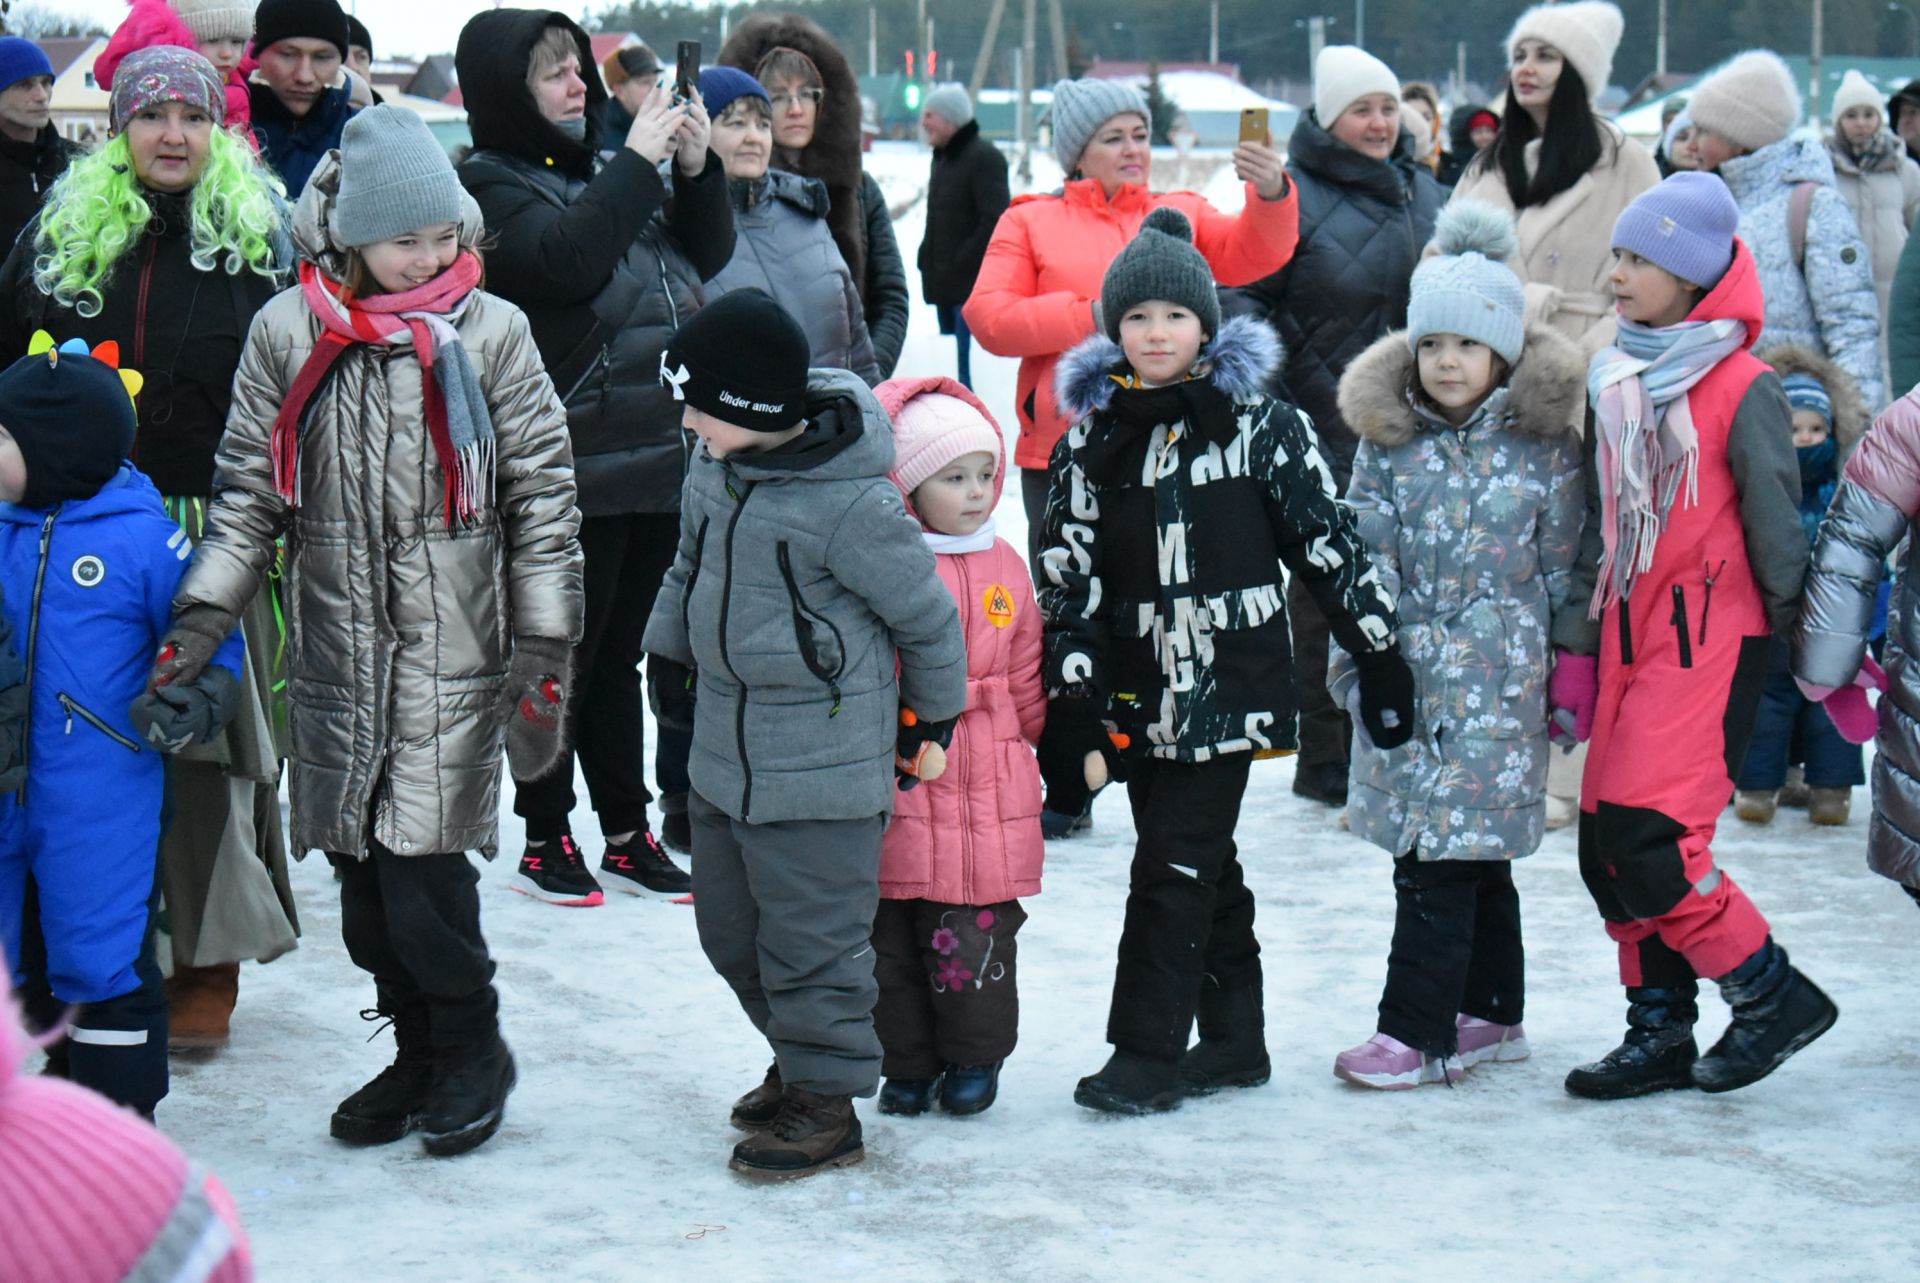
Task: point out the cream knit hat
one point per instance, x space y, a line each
1585 32
1749 100
1855 91
1343 75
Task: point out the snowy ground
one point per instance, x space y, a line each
612 1164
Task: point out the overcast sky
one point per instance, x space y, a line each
399 27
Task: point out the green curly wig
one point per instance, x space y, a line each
97 211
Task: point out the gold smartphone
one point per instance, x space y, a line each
1253 124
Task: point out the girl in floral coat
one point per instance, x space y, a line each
1467 488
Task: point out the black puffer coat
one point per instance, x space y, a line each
966 194
1363 223
606 262
27 170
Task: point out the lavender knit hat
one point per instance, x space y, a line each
1686 225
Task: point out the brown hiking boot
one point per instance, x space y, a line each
812 1132
1756 806
755 1111
1829 806
200 1004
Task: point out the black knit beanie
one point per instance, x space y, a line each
277 20
73 421
743 360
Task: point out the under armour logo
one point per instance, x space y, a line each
674 379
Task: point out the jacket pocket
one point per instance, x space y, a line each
808 626
76 709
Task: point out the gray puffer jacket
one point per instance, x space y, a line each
784 248
399 629
1874 509
1475 530
1828 302
800 589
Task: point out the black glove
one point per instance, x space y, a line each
920 749
1386 696
1074 729
538 682
181 714
670 692
13 746
185 651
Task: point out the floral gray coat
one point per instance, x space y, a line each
1475 529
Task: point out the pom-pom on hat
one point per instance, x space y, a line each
720 86
1856 91
217 19
394 177
162 74
1468 289
1685 225
1586 32
1160 262
1343 75
743 360
1080 107
21 59
1750 100
936 421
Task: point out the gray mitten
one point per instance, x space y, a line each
538 684
188 647
181 714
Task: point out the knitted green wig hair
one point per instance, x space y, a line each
97 211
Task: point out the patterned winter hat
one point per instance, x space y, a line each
165 73
69 413
1161 263
1468 289
1804 392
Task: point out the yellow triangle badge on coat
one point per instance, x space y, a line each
997 601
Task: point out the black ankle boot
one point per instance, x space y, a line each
909 1097
1776 1012
1130 1083
390 1106
1232 1051
1657 1053
468 1099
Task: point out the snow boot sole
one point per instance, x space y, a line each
1625 1086
846 1158
354 1130
476 1133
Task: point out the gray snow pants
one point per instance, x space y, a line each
785 913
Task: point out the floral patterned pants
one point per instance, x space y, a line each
947 991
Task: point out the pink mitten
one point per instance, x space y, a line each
1574 689
1847 708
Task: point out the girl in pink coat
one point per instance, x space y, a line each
964 847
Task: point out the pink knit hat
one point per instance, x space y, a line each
935 421
91 1194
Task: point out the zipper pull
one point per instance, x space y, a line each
1706 603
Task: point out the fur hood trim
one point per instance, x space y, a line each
1241 358
1850 417
1546 391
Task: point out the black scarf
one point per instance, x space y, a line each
1119 448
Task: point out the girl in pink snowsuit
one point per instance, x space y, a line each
964 847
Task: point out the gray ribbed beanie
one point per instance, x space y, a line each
1081 106
394 177
1161 263
950 103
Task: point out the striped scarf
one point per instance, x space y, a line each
457 420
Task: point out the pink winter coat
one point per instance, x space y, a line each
973 835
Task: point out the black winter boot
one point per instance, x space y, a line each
756 1110
1656 1054
1232 1051
1130 1083
1776 1012
1323 782
468 1099
909 1097
970 1089
392 1105
811 1133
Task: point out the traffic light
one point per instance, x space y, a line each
909 64
912 95
933 64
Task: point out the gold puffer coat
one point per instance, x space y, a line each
400 630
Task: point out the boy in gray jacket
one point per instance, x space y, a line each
801 587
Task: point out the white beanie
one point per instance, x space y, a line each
1750 100
1585 32
1343 75
1854 91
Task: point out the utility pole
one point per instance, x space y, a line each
1660 43
1813 62
873 41
979 77
1316 39
1057 29
1213 32
1459 71
1360 24
1027 52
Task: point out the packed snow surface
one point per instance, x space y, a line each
612 1163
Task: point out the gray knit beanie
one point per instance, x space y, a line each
950 103
1468 289
1080 107
394 177
1161 263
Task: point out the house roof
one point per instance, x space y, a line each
62 51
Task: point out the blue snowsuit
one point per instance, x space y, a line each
88 590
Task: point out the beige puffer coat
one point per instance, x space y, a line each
400 630
1884 200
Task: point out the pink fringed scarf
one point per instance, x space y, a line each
463 446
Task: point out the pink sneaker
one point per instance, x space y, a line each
1389 1064
1483 1040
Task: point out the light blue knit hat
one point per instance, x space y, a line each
1469 289
1686 224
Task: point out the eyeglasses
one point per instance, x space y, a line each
811 97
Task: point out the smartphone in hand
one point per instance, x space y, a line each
1253 124
686 71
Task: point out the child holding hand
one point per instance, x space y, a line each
1467 488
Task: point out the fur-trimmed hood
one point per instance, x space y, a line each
1850 416
833 156
1240 360
1547 389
